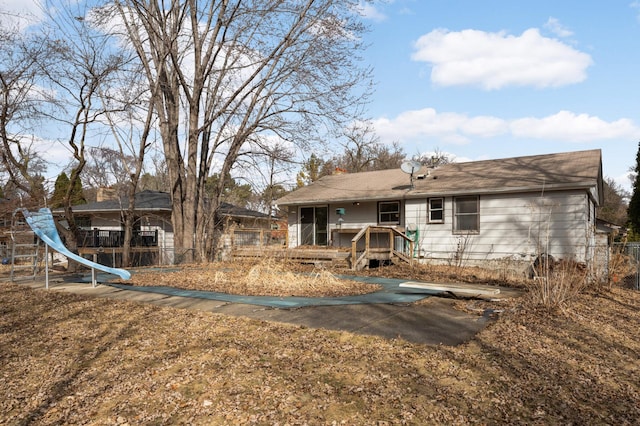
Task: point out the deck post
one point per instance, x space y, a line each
354 254
367 245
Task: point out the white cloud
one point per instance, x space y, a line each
484 126
636 6
557 28
56 155
370 11
496 60
20 13
422 123
455 128
625 181
571 127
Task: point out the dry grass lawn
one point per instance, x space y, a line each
68 359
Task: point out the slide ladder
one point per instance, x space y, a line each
25 251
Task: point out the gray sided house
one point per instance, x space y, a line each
102 229
482 212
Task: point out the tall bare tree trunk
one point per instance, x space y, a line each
224 73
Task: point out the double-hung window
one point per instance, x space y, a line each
436 210
466 214
389 212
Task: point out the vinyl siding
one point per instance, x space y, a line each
514 225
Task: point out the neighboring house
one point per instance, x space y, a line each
511 209
102 229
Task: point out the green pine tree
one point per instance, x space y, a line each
312 170
634 204
77 194
60 190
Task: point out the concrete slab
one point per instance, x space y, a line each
463 290
434 323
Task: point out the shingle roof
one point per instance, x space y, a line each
145 201
156 201
568 170
227 209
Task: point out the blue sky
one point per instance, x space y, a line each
492 79
483 79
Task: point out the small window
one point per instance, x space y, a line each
436 210
83 222
389 212
466 215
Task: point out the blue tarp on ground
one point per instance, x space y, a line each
391 293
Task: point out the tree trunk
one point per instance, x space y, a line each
256 70
70 237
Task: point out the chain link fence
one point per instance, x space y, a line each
625 264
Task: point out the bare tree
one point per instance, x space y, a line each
132 148
157 177
434 159
83 64
274 189
107 168
267 165
22 105
284 68
363 151
614 208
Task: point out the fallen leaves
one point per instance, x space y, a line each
66 359
266 278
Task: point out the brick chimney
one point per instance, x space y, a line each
105 194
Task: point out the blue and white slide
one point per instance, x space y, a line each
41 222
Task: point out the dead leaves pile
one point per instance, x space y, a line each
67 359
266 278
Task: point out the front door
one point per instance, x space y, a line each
313 226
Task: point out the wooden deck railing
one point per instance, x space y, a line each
257 237
109 238
358 257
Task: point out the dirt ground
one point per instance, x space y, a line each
68 359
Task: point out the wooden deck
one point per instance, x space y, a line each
357 256
298 254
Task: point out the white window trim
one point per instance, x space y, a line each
455 216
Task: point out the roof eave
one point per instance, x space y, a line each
419 193
504 190
114 210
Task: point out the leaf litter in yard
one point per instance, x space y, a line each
71 359
266 278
